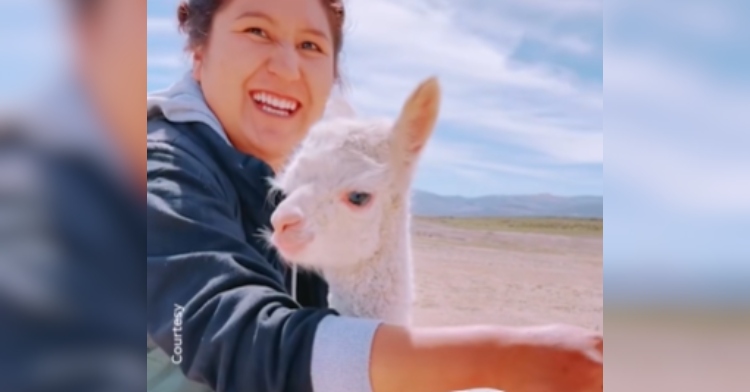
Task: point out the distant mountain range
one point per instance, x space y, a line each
542 205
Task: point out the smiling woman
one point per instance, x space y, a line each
266 68
262 74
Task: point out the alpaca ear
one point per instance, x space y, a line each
339 107
417 120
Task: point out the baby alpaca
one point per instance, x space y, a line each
346 213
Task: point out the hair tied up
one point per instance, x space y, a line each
183 14
337 6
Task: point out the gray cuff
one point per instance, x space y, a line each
341 354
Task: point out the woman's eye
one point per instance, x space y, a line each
310 46
257 31
359 198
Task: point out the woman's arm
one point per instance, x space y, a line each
433 359
547 358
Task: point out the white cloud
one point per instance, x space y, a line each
677 171
36 48
687 177
575 7
677 131
663 82
689 18
165 45
486 93
462 158
434 41
160 25
168 61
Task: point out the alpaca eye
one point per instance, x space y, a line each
359 198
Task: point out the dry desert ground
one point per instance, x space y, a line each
508 271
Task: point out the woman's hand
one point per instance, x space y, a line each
555 358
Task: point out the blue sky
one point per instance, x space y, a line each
522 83
33 48
524 106
677 121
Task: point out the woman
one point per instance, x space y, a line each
218 299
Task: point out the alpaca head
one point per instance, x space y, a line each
349 183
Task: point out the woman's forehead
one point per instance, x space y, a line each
302 14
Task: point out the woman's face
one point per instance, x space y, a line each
266 72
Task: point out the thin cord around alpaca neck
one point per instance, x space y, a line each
294 281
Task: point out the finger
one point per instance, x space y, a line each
596 353
600 344
596 357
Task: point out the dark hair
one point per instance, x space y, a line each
195 18
83 8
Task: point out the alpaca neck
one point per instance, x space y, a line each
378 286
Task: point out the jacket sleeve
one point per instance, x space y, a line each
219 307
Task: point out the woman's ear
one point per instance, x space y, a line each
197 63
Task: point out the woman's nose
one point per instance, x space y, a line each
284 63
286 221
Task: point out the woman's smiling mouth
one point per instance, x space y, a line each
275 105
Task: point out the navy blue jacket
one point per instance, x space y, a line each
72 279
241 329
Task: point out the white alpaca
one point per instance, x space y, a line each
347 208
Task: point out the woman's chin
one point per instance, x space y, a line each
273 136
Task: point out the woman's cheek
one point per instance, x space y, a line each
321 77
244 54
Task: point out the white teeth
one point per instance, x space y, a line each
277 112
275 102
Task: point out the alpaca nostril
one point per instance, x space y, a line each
282 223
289 225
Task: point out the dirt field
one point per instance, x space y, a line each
508 271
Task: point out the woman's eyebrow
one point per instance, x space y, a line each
316 32
256 14
262 15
